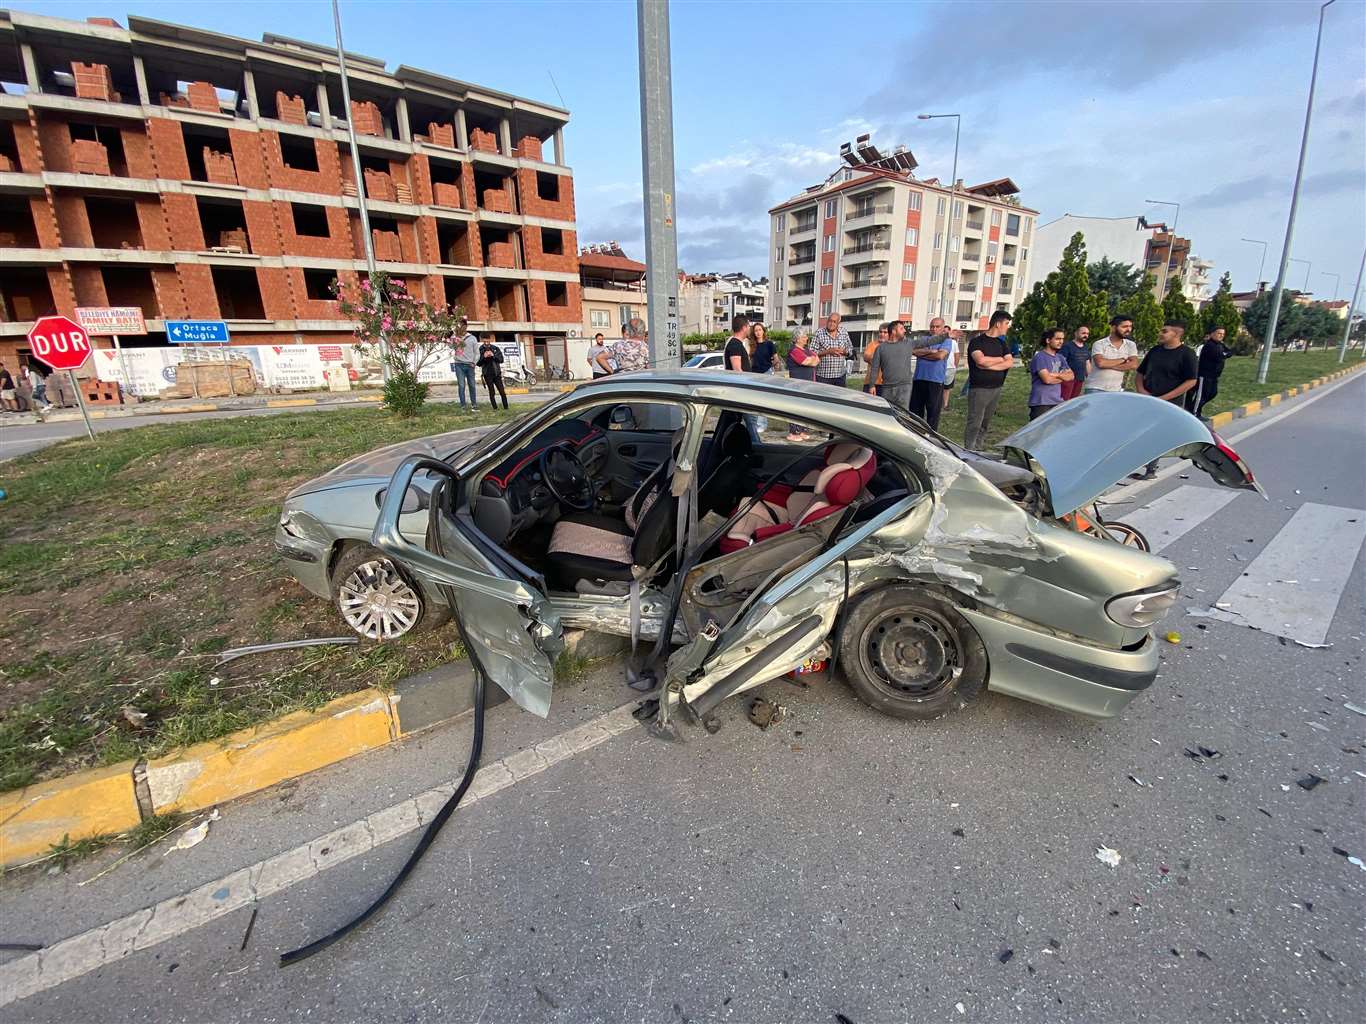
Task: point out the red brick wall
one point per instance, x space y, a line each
337 244
246 157
44 222
366 118
501 254
379 186
497 199
533 205
441 135
182 221
219 167
26 143
72 222
88 285
529 148
93 82
277 299
62 295
167 141
290 108
326 180
543 312
89 157
485 141
444 194
537 259
419 173
137 153
170 295
306 308
201 301
387 247
202 96
152 224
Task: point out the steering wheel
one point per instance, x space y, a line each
567 478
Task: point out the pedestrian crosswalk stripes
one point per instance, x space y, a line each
1293 587
1176 513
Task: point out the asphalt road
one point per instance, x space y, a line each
842 862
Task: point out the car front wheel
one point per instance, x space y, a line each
376 599
911 654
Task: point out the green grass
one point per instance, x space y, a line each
126 564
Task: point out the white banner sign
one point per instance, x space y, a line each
151 369
108 320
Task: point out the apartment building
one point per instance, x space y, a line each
710 302
1118 239
201 176
613 289
871 241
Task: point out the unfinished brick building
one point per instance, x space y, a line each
201 176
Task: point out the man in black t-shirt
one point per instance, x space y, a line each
736 355
1211 367
989 360
1167 372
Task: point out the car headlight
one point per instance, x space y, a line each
1145 607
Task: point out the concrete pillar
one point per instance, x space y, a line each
249 88
505 136
462 135
140 73
30 68
324 109
405 130
559 148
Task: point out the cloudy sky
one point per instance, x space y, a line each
1092 108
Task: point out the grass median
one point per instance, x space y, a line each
126 564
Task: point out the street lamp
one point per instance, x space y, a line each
360 180
1171 244
1265 363
1337 282
953 191
1308 267
1351 311
1261 266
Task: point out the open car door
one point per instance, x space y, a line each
781 625
500 603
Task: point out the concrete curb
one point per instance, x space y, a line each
117 797
1223 419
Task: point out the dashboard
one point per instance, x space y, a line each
512 495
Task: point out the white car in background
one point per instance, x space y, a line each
706 361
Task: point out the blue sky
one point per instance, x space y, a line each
1091 108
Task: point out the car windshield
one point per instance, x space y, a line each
696 361
922 429
494 436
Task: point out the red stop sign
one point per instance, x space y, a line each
59 342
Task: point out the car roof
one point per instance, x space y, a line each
745 385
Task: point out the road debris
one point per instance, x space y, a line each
193 837
1355 708
20 947
233 653
766 713
1172 637
135 718
1005 955
1309 781
1202 754
251 923
1139 782
1110 858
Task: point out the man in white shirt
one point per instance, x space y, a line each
1112 357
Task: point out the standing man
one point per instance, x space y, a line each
594 350
9 398
1113 357
989 360
463 359
1168 371
931 369
491 365
1077 352
892 363
736 354
1210 366
831 343
871 380
1048 373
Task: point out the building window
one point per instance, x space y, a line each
953 244
915 200
934 273
996 218
957 208
309 221
782 223
828 275
318 284
1025 236
908 272
991 252
941 206
939 239
905 306
826 307
1024 255
987 279
912 237
951 276
1013 224
829 244
829 209
781 249
599 318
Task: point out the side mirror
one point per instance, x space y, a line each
623 418
415 499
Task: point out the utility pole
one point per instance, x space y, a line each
657 163
1265 363
1262 265
1171 248
948 221
1351 311
360 180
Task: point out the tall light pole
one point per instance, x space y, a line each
953 193
657 162
1351 311
1337 282
1308 269
360 178
1171 245
1261 266
1265 364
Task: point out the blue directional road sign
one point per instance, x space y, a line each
196 332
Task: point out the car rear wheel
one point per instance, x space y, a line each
1128 536
910 654
377 599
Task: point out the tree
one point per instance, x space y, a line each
1063 299
1309 324
1119 281
416 334
1221 312
1146 314
1177 307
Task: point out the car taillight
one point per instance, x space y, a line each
1145 607
1234 457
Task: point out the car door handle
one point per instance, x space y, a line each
627 451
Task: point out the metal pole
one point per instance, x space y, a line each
80 400
657 162
360 178
1261 266
1265 364
1351 311
1171 246
953 193
1337 282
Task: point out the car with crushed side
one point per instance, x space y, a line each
642 504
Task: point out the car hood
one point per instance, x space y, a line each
1088 444
381 463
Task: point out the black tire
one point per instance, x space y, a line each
360 565
911 654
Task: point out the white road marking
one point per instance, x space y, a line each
1293 587
1177 512
90 950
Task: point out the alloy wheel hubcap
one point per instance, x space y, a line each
377 602
913 654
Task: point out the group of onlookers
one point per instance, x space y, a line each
27 393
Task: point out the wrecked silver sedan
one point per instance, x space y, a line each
644 505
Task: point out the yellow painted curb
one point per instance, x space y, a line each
1251 407
247 761
290 403
86 804
371 398
204 407
1223 419
519 391
1295 391
1272 399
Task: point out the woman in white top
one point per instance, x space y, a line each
951 368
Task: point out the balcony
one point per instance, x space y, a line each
804 227
972 257
1008 261
797 293
801 259
875 211
868 252
968 289
864 285
975 225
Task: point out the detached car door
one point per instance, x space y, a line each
781 625
500 603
